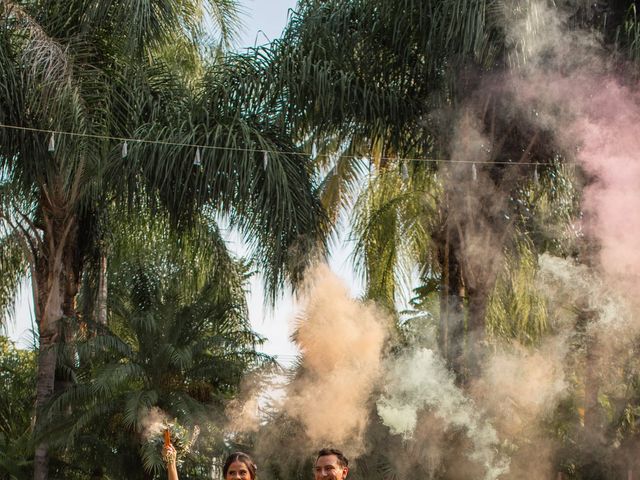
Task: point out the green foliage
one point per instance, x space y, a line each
391 223
420 324
547 207
545 211
113 71
17 403
381 68
178 342
632 33
13 265
628 34
516 311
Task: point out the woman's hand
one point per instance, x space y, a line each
169 455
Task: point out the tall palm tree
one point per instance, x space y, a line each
386 80
109 70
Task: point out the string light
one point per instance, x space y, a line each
536 177
52 143
246 150
474 172
197 161
405 171
125 150
265 160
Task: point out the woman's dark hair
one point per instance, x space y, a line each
243 458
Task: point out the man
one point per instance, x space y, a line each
331 464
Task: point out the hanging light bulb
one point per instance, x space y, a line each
125 149
404 171
314 150
52 143
474 172
197 160
265 160
536 176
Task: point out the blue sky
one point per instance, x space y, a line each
263 20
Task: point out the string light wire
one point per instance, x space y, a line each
246 150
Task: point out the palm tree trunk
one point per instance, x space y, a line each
477 299
44 390
465 289
101 300
56 273
451 331
50 306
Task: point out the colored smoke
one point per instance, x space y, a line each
341 340
420 381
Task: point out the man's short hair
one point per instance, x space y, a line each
342 460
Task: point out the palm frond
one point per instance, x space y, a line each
226 15
392 223
13 269
274 207
515 310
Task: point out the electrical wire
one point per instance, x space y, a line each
129 140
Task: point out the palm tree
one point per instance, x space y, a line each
110 70
392 80
384 80
178 340
393 218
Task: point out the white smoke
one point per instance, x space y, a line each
418 381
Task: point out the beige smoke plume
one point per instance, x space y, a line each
243 413
529 384
153 423
341 341
519 387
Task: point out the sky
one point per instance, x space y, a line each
263 20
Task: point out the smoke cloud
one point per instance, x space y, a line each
341 341
568 87
419 381
153 423
559 83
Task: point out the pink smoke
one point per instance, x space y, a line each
609 133
598 119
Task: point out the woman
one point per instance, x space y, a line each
237 466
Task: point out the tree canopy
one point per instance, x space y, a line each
128 133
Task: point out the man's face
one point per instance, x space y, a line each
328 468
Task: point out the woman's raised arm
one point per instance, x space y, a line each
169 455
